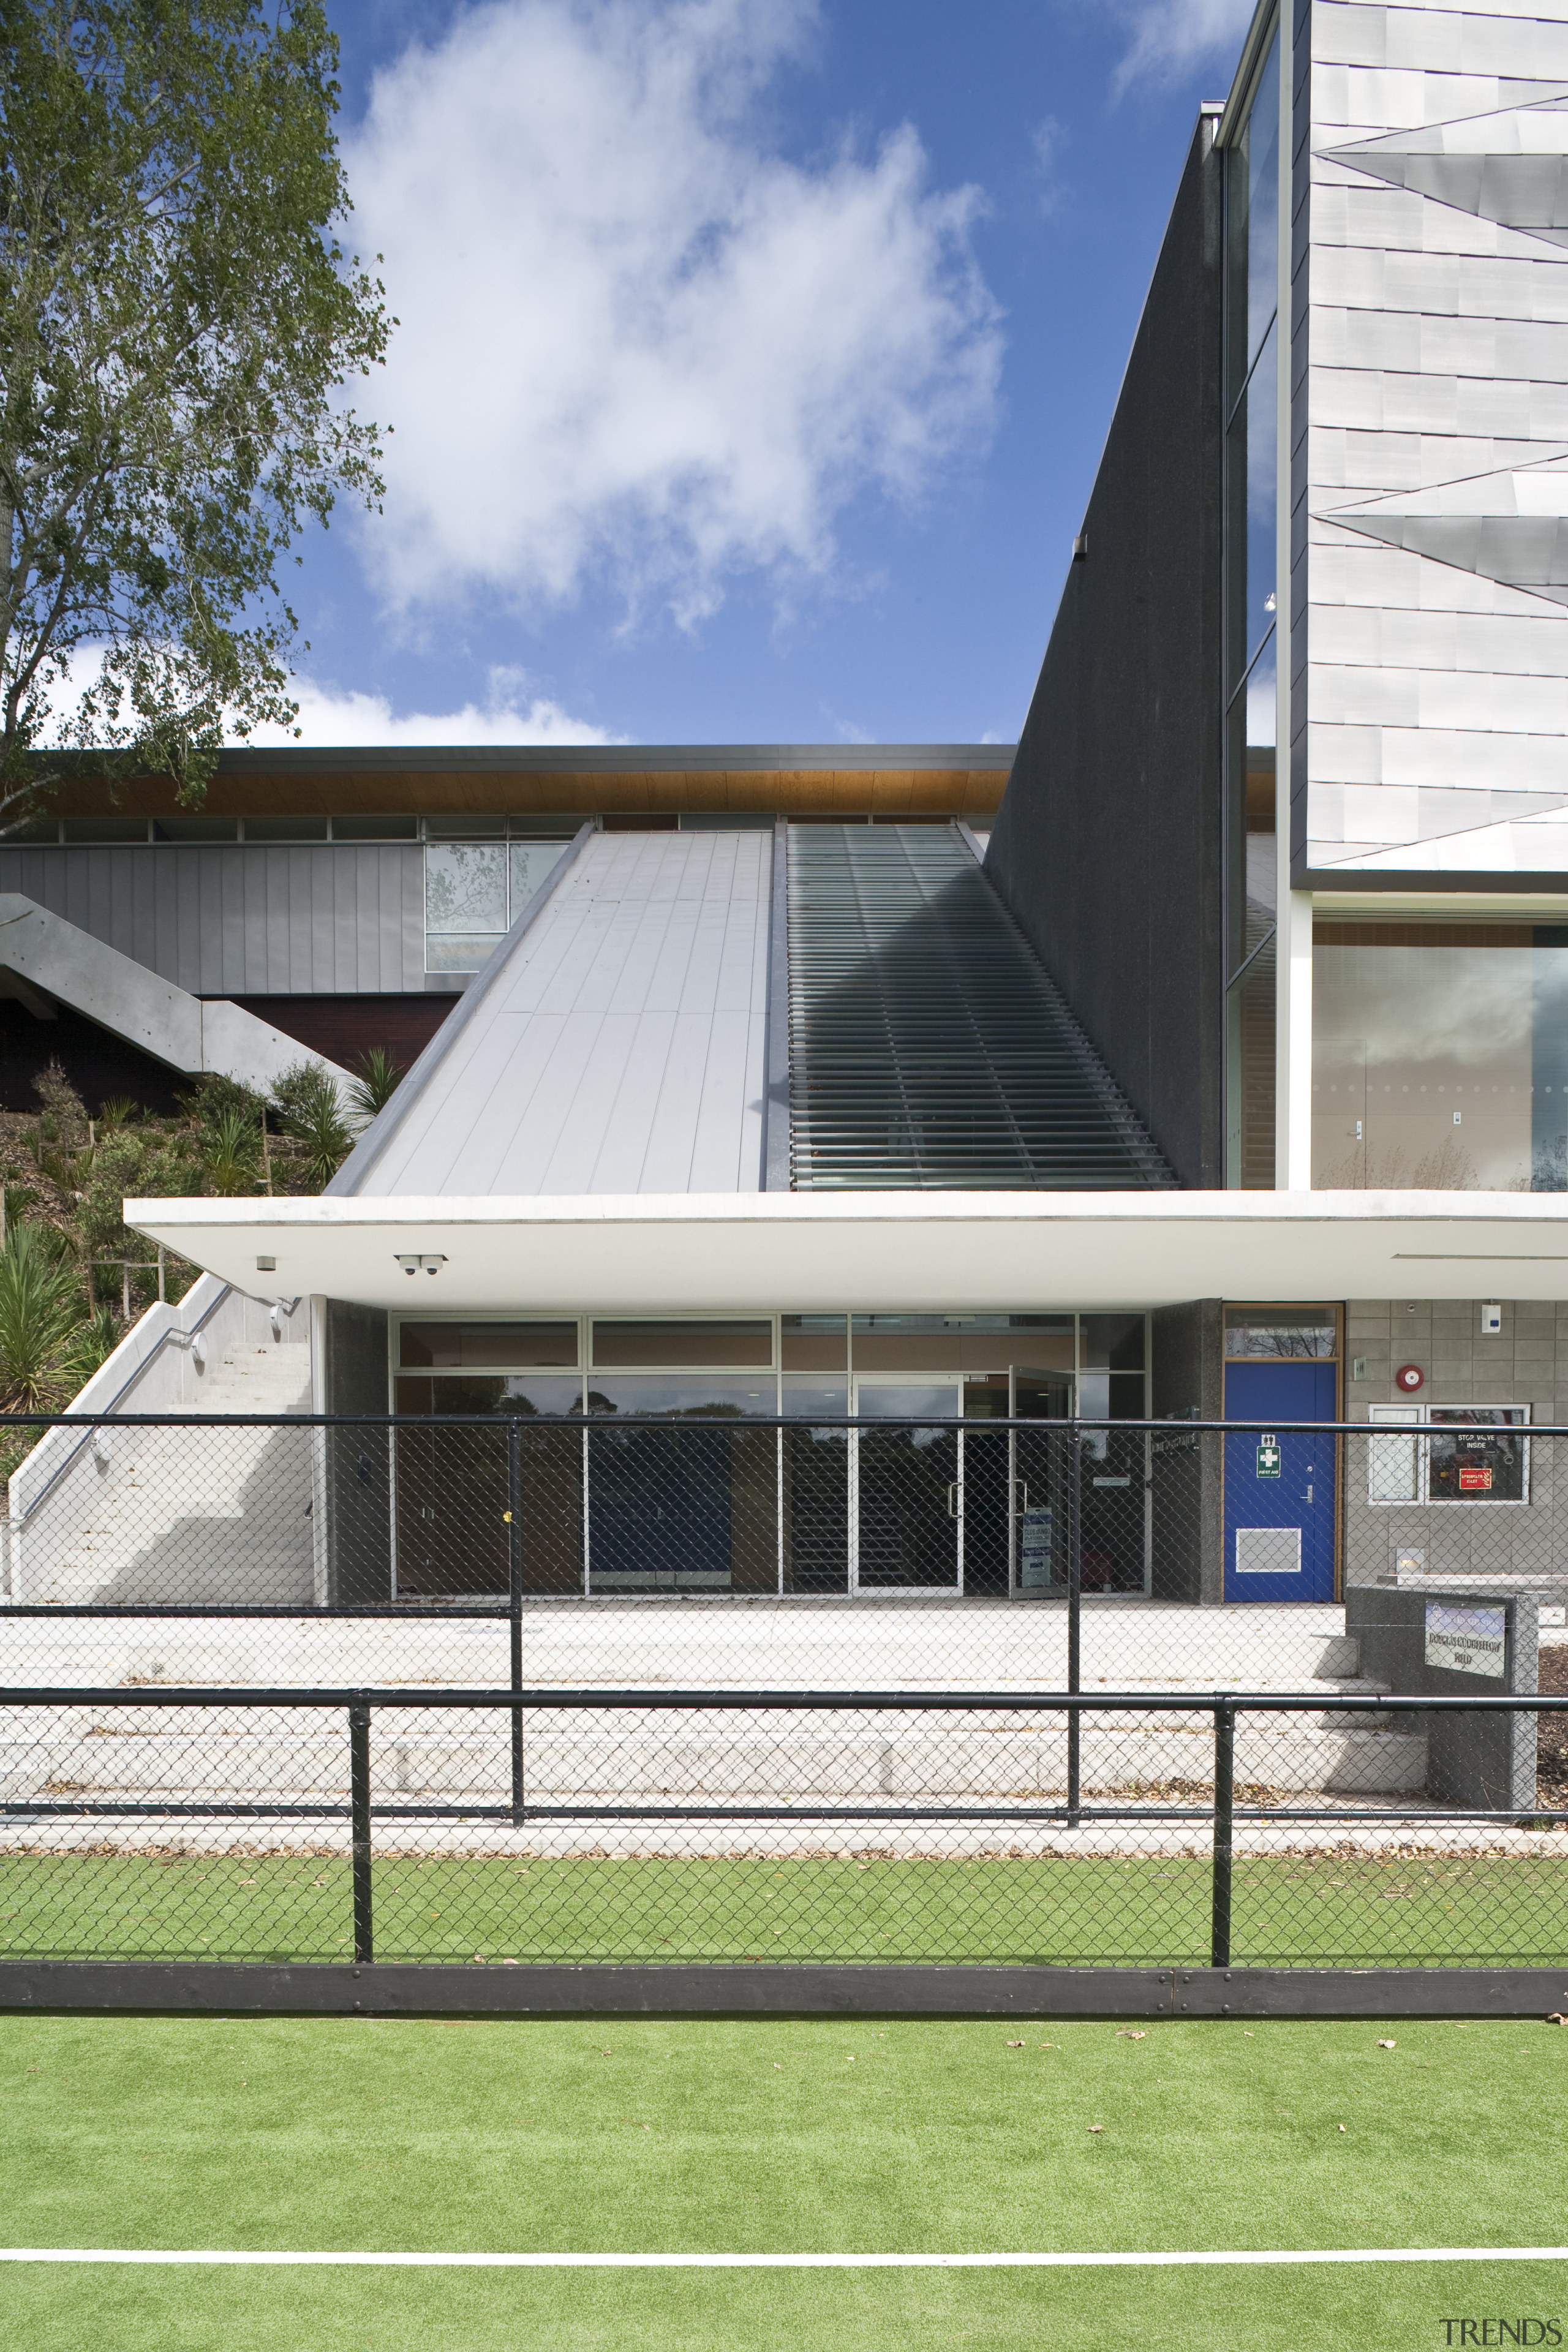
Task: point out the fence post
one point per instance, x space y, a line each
1224 1828
359 1816
1075 1596
514 1562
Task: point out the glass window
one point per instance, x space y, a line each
814 1343
1440 1057
726 822
528 864
1273 1333
195 828
1476 1453
375 828
451 1346
1252 225
1252 565
749 1342
465 904
105 828
1114 1340
519 1393
1251 493
37 828
285 828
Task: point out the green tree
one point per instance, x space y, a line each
176 320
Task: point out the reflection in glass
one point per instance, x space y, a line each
465 904
815 1484
454 1486
460 1346
1277 1337
1440 1057
531 864
1252 225
690 1506
1251 495
678 1342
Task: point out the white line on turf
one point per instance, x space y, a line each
792 2262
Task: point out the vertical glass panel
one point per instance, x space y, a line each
907 1482
815 1484
1252 1058
690 1506
1251 490
1114 1342
1439 1057
1112 1507
532 863
1253 225
454 1487
465 904
814 1343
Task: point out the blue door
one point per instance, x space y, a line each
1279 1499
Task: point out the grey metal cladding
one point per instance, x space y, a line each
243 918
1436 676
617 1042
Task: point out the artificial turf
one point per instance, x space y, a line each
1316 1910
809 2136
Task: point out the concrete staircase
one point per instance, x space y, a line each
190 1515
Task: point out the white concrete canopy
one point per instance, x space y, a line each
918 1252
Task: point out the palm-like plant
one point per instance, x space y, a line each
307 1102
40 1322
376 1080
230 1152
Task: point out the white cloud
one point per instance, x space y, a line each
638 346
330 716
1174 36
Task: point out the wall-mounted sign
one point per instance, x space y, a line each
1466 1640
1268 1457
1035 1548
1409 1377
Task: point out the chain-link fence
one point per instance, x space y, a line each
513 1689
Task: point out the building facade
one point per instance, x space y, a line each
1249 1018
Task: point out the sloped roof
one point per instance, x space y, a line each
616 1041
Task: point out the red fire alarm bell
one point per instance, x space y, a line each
1409 1377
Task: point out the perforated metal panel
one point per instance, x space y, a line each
928 1046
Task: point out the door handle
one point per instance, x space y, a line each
1308 1495
1021 1488
952 1500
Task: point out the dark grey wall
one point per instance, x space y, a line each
1187 1365
1108 843
358 1461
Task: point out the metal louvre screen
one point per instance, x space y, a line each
511 1689
927 1046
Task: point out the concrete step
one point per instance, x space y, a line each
588 1766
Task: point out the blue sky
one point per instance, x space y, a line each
755 356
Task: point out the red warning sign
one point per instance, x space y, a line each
1475 1477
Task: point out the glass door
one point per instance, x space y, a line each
1038 1489
906 1504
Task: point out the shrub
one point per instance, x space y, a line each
40 1320
376 1080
